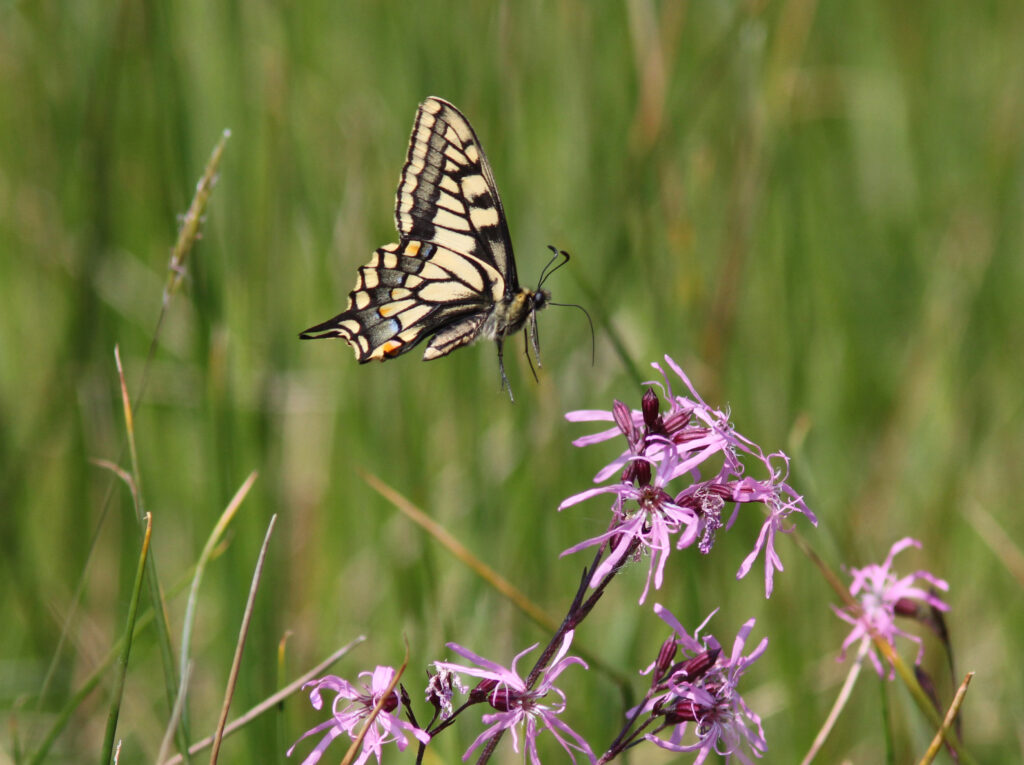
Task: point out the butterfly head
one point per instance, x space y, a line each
539 299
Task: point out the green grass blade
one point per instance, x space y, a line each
121 669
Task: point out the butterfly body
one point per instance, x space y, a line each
452 276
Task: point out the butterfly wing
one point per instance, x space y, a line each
454 263
447 194
406 293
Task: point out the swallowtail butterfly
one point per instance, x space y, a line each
452 276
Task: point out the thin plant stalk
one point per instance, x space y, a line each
954 709
121 670
187 236
152 580
193 597
243 632
179 706
282 668
840 702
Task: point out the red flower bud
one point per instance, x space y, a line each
642 472
482 690
501 699
906 607
684 710
650 405
666 653
698 666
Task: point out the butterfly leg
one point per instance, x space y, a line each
526 345
501 368
535 337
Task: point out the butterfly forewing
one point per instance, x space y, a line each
447 194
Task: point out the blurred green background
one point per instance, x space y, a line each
816 208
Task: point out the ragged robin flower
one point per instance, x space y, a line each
348 717
701 690
881 596
518 709
645 517
662 493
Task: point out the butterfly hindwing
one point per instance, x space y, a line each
406 293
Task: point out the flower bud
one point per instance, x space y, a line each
666 653
624 419
906 607
501 699
628 473
642 472
675 422
684 710
391 702
650 405
695 668
482 689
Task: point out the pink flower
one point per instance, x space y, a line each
650 519
781 501
881 595
672 447
703 690
518 708
349 718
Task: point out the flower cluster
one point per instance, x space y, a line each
702 689
881 597
682 467
519 707
664 448
522 708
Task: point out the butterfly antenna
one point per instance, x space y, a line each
549 268
589 321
